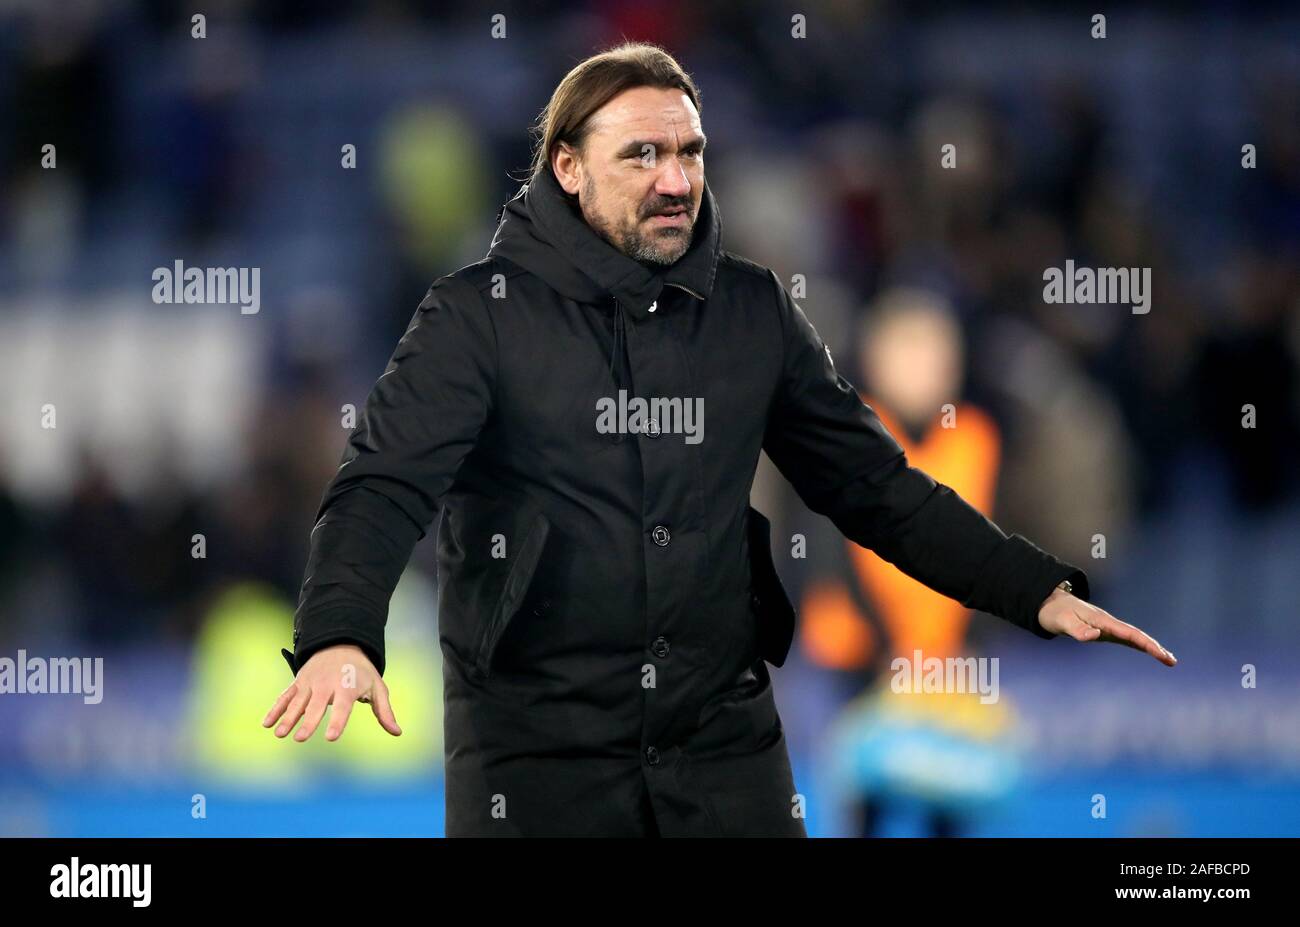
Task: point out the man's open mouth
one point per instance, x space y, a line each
677 215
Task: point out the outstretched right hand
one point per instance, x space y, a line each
340 675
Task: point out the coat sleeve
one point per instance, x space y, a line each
421 419
845 464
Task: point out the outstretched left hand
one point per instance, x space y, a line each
1064 613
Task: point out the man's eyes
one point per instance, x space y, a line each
692 152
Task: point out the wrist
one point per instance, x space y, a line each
1064 587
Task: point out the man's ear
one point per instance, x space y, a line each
567 167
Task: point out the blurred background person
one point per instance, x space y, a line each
944 753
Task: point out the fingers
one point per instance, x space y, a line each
295 710
1144 642
383 710
315 711
280 704
319 686
1121 632
339 717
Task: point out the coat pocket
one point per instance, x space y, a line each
774 614
515 590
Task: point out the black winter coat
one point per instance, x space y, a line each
608 601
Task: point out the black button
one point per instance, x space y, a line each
660 647
652 756
661 535
652 428
297 635
755 601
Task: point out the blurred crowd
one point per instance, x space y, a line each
826 156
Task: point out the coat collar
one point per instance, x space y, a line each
543 231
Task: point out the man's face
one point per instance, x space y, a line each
639 177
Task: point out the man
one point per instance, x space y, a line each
607 596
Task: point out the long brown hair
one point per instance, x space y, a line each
593 83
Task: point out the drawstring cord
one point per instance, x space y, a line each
616 358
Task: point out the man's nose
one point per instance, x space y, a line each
672 179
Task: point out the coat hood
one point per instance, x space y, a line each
543 232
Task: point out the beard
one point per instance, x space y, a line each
661 248
657 249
